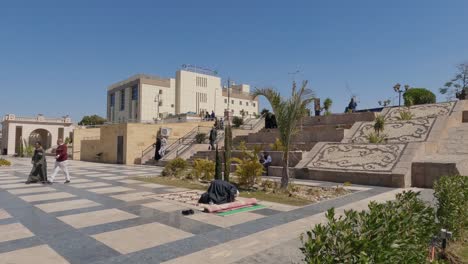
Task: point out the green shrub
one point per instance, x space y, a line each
379 124
4 162
237 121
405 115
200 138
419 96
393 232
375 138
204 169
248 169
277 146
175 168
452 203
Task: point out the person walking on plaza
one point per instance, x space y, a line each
213 136
61 161
39 170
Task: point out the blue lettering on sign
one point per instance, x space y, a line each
198 69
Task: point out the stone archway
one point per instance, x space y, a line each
41 135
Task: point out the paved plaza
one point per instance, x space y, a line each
104 216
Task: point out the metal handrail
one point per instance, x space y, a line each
175 144
253 126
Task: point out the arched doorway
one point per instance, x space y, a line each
42 136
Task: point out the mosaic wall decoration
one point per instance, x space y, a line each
422 111
415 130
358 157
188 197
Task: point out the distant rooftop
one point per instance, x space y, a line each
39 118
137 77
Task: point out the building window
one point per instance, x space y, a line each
172 105
232 101
247 103
135 93
225 101
122 100
112 100
240 102
253 104
201 81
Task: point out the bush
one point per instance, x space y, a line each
405 115
200 138
175 168
237 121
4 162
249 169
375 138
419 96
204 169
452 203
277 146
393 232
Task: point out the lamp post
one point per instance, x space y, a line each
397 88
156 100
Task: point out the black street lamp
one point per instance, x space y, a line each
397 88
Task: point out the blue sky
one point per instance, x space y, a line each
57 58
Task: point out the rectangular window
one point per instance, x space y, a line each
112 99
232 101
135 93
225 101
122 100
247 103
240 102
253 104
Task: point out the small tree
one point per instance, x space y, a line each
327 105
227 150
288 113
218 170
92 120
379 124
385 103
237 121
248 169
458 85
419 96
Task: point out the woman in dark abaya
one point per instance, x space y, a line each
39 170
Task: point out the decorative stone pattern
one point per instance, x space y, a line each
415 130
423 111
357 157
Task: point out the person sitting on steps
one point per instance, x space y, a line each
266 161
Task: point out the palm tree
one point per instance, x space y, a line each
288 113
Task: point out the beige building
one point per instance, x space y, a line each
124 143
144 98
22 131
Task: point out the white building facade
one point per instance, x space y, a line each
19 132
145 98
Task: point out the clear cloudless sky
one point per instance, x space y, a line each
58 57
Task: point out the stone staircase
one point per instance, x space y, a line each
434 137
457 141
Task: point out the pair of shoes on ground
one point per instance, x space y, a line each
188 212
49 182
